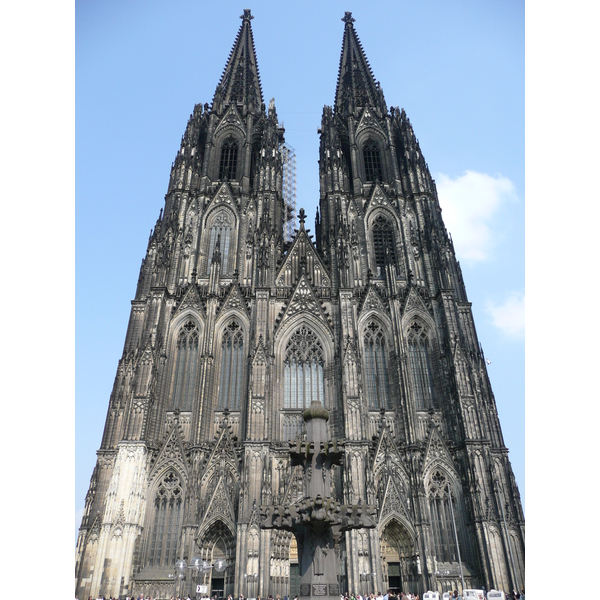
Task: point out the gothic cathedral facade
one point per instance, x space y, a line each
235 329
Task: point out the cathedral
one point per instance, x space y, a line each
236 328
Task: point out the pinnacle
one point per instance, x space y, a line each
247 16
356 86
348 19
240 81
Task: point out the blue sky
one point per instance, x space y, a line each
457 68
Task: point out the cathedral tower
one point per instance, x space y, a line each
234 331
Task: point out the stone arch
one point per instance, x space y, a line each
184 348
518 553
217 541
164 516
398 550
316 325
421 346
496 558
377 210
448 518
180 318
376 346
231 313
371 139
388 470
383 230
290 417
374 312
223 135
416 311
221 223
231 352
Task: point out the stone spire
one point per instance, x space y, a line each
240 82
356 86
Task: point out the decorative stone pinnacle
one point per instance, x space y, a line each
302 216
246 16
348 18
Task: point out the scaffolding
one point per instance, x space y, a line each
289 190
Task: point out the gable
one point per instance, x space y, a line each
304 301
223 456
302 254
437 453
222 198
416 305
387 458
234 302
393 501
219 505
379 199
231 119
369 121
171 456
372 302
191 300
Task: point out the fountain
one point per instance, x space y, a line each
318 521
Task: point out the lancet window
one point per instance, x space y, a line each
165 521
303 369
441 518
186 362
376 369
232 363
419 359
372 160
229 156
220 232
383 242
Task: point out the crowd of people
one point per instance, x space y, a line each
389 595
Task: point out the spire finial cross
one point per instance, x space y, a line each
348 18
302 216
246 16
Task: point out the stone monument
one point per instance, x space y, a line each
318 521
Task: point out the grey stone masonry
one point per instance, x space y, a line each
401 477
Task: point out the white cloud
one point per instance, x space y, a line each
509 316
470 204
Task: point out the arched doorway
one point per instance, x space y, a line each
217 547
398 557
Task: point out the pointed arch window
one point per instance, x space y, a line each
372 160
186 362
303 369
229 156
441 508
376 370
232 362
166 521
220 231
419 359
383 243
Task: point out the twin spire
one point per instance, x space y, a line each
356 87
240 82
